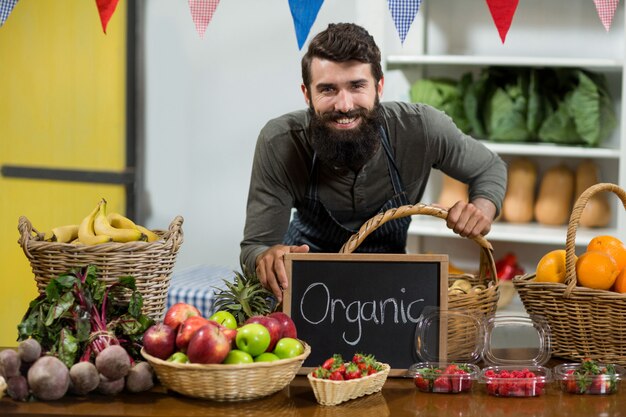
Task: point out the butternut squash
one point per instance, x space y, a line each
519 200
554 202
597 212
452 190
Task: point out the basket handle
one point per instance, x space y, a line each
487 262
570 242
175 233
27 232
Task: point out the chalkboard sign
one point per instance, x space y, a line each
348 303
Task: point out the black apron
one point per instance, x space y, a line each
313 224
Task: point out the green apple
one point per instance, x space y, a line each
266 357
288 347
224 318
178 357
236 357
253 338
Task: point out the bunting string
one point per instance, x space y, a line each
304 13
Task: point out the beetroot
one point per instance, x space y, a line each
113 362
29 350
110 386
17 388
140 377
48 378
10 363
84 378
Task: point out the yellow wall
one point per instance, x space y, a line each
62 105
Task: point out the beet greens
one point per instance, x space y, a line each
78 316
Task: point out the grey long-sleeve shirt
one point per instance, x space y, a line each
421 138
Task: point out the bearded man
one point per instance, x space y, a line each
349 157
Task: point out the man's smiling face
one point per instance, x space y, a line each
343 100
341 91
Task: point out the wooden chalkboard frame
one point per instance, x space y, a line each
418 262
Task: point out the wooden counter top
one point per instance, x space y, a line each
399 397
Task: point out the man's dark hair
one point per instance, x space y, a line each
342 42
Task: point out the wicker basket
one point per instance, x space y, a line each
221 382
461 337
583 322
329 392
150 263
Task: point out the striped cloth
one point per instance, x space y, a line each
6 7
403 13
606 11
194 285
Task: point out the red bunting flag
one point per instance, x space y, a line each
202 12
106 9
502 12
606 10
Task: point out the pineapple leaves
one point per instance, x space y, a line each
244 297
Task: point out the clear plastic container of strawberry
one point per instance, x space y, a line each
589 377
516 350
446 378
512 381
447 368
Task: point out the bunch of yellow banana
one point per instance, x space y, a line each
99 227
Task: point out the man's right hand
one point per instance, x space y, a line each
270 267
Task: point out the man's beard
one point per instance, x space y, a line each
350 148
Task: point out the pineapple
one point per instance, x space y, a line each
245 297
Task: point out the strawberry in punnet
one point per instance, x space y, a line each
442 384
422 384
333 363
336 376
353 371
321 373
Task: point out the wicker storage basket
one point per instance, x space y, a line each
583 322
329 392
222 382
150 264
483 302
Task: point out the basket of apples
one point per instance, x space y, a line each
216 358
337 380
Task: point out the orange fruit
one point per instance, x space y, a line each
551 267
620 282
596 269
610 245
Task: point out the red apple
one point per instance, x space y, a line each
208 345
178 313
288 326
159 341
272 325
187 329
230 334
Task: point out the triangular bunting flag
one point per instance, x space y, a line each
202 12
106 9
6 7
304 13
403 13
606 10
502 12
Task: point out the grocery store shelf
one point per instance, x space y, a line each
523 233
510 61
550 149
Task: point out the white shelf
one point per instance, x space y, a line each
550 149
507 61
507 232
